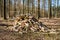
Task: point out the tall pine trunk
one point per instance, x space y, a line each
57 7
49 9
43 8
32 6
38 9
14 8
23 6
28 6
9 8
5 9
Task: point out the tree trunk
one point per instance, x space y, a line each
32 6
43 7
38 9
9 8
23 6
14 8
5 9
49 9
28 6
57 7
2 8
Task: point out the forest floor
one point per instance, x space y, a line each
9 35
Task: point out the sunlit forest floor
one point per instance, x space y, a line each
10 35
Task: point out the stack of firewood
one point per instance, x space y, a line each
23 24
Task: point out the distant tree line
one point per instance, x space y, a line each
12 8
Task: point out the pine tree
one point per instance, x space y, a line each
5 9
38 9
49 9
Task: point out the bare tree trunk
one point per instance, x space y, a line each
14 8
32 6
38 9
57 6
43 7
20 8
0 8
28 6
49 9
4 9
23 6
9 8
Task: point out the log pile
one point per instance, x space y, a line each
27 23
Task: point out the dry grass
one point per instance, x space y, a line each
9 35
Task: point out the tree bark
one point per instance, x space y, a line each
23 6
49 9
38 9
28 6
9 8
57 7
32 6
5 9
43 8
14 8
